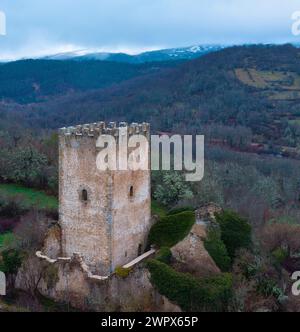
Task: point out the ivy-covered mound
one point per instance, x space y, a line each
235 231
171 229
224 238
190 293
217 249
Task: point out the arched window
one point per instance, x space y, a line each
84 195
131 191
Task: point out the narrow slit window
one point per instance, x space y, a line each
84 195
131 191
140 250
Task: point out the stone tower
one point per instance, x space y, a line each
104 215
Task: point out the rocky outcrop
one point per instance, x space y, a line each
67 281
206 214
191 255
52 243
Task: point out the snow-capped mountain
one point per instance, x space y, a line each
184 53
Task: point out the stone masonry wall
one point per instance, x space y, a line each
110 227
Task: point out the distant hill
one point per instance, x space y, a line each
174 54
257 87
28 81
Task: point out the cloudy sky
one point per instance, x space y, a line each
39 27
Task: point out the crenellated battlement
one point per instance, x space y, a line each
101 128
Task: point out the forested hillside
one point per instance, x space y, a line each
256 87
30 81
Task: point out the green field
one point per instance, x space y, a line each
32 197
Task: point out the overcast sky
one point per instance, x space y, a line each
37 27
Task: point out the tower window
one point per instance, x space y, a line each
140 250
84 195
131 191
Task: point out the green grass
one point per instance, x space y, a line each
32 197
5 239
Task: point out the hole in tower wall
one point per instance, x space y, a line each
84 195
131 191
140 250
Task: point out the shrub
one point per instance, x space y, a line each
11 207
190 293
235 231
164 255
7 240
280 255
268 287
11 261
122 272
172 189
171 229
26 166
217 249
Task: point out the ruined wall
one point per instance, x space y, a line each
67 282
108 228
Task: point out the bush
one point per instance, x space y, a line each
235 231
11 207
190 293
164 255
11 261
171 229
172 189
280 255
217 250
268 287
122 272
